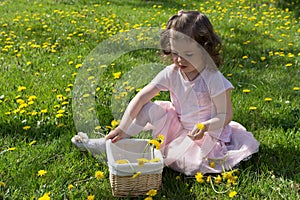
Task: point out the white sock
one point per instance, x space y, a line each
95 146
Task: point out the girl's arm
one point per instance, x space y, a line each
132 110
222 118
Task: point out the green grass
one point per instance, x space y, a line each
43 43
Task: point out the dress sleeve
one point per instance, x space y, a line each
218 84
162 79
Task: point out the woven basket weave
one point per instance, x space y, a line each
121 175
123 186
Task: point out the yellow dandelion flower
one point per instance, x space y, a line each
46 196
148 198
200 126
229 75
262 58
199 177
32 143
227 175
218 179
212 164
177 177
91 197
41 172
142 161
117 75
296 88
99 175
11 149
44 111
60 111
20 101
70 187
121 161
64 103
32 98
155 143
246 90
232 194
160 138
268 99
23 105
252 108
114 123
151 193
86 95
21 88
123 94
155 160
137 174
289 64
26 128
78 66
59 115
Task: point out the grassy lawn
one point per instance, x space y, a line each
45 51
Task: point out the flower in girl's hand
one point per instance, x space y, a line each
200 126
197 132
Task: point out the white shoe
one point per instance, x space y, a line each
83 143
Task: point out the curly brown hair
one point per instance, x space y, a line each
198 27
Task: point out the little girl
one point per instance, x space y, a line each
197 125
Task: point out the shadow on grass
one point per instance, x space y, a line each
15 129
279 161
292 5
177 186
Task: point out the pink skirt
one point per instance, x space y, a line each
187 156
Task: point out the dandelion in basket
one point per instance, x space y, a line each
157 141
137 174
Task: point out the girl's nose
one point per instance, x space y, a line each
179 58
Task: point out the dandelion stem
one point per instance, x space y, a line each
213 187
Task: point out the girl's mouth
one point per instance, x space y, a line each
182 66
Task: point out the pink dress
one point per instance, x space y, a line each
191 103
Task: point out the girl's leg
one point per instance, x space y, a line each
150 113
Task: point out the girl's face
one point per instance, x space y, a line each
187 55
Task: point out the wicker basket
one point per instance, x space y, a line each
121 175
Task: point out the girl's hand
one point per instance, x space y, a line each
196 133
116 135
